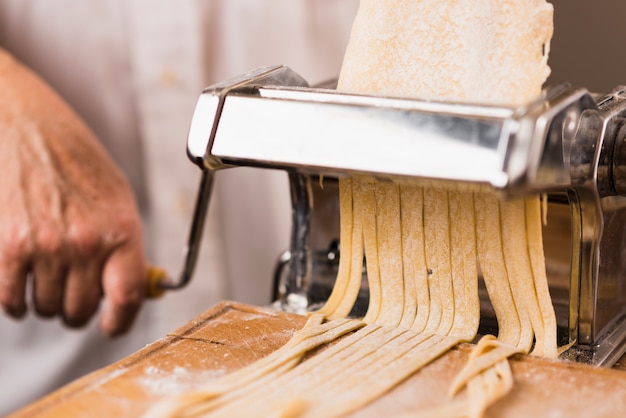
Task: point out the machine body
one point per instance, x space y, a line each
568 144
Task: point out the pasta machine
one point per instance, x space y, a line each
568 144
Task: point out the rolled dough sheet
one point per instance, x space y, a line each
232 335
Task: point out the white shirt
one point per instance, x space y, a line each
133 69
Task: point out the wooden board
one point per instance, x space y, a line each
231 335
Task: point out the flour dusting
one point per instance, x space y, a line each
173 382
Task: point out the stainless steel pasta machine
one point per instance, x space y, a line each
568 144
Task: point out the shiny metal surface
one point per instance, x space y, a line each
211 103
598 268
201 133
294 129
191 250
317 131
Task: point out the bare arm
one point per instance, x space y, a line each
68 217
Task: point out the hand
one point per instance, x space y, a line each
68 218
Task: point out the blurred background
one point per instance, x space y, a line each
589 44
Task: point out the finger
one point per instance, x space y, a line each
124 284
13 275
83 291
48 285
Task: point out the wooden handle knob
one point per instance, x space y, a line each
156 276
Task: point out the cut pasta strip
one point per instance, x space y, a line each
389 239
415 272
547 346
364 194
488 387
346 235
493 266
349 276
464 265
520 274
437 248
485 355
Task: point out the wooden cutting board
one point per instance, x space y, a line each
232 335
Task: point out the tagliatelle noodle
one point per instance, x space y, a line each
348 282
464 264
547 346
417 297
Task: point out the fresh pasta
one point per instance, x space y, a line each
423 243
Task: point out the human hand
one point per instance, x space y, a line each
68 218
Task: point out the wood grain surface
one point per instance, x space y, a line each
232 335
